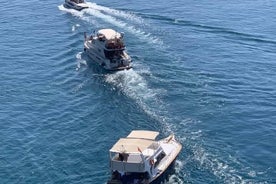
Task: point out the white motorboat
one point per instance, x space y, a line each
75 4
140 159
107 48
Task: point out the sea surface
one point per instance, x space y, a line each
203 70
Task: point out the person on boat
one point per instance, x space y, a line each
121 157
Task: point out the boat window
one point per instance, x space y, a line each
109 54
159 158
115 44
102 38
111 45
113 54
154 146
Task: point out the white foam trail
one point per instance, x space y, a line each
112 20
173 179
219 168
80 61
132 84
79 14
78 56
72 11
73 28
118 13
178 166
135 31
222 168
107 18
135 86
80 86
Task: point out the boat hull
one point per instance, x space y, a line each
165 175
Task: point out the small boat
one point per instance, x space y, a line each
75 4
107 48
140 159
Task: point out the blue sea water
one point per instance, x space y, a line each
203 70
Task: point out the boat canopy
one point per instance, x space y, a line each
129 145
136 142
143 134
109 34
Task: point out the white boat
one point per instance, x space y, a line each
107 48
140 159
75 4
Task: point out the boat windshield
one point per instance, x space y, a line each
78 1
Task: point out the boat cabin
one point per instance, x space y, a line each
107 48
140 158
136 155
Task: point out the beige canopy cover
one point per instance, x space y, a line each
136 141
143 134
109 33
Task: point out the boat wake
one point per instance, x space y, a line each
133 85
117 13
224 168
74 27
174 178
80 61
117 18
80 15
72 11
